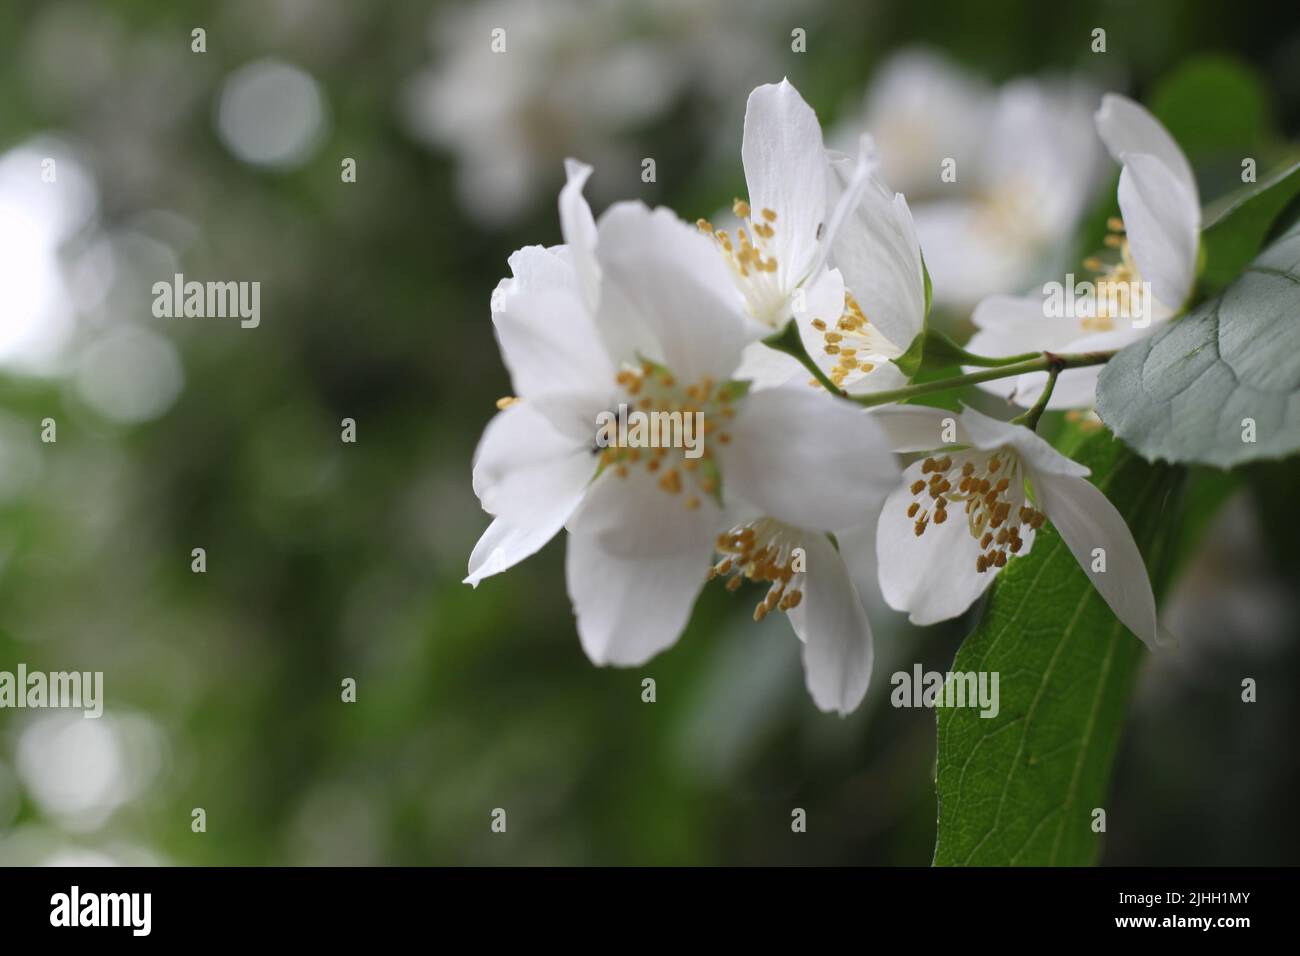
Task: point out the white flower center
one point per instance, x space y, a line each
991 489
1119 284
763 551
857 345
650 388
752 262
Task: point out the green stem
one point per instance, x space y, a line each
939 346
1042 362
789 342
988 361
1030 418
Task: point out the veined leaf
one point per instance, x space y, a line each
1020 788
1220 386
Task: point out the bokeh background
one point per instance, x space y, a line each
328 560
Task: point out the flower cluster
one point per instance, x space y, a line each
786 333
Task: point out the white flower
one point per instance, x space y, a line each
778 245
1157 245
1158 199
1018 197
808 206
777 252
963 513
876 251
640 309
812 581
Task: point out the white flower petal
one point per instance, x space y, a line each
823 298
579 231
1158 198
931 576
911 428
824 301
633 516
1087 520
805 458
877 251
832 623
1012 324
989 434
503 545
574 414
844 193
786 171
666 295
1163 223
1128 128
765 367
629 608
884 377
826 305
736 512
548 339
524 467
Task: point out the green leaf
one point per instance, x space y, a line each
1020 788
1238 226
909 363
1188 392
932 351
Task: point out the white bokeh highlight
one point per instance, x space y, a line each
271 114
